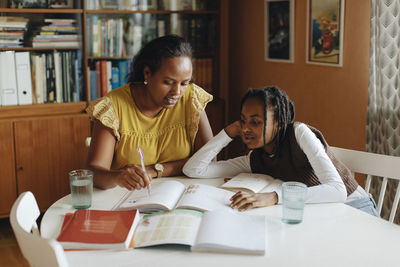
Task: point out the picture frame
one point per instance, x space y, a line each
61 3
325 31
279 36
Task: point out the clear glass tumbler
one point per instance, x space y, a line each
81 183
294 195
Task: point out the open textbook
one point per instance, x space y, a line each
168 195
253 182
211 231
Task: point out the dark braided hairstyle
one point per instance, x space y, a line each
152 53
277 100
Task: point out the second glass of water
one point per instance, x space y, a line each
294 195
81 183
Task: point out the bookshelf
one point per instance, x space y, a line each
42 142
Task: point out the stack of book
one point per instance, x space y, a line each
57 33
12 30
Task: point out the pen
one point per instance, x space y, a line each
143 168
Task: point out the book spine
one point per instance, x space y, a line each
24 81
93 85
58 76
8 82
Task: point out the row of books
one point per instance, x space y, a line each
12 31
106 76
124 37
147 4
107 37
40 78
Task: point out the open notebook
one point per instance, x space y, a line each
211 231
253 182
168 195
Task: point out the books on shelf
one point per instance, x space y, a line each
57 77
253 182
113 37
56 33
98 229
168 195
107 75
211 231
12 31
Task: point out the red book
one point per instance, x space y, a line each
98 229
104 83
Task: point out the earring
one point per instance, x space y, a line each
145 82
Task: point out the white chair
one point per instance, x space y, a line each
373 164
37 250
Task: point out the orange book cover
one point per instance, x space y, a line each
98 229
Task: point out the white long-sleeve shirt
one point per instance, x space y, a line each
331 189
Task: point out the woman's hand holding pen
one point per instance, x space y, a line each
244 201
133 177
234 129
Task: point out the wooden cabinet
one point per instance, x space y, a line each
46 150
36 156
8 189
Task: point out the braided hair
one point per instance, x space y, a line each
278 101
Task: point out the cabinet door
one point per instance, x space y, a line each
46 150
8 188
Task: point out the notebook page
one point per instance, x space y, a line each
164 196
174 227
234 232
251 181
205 197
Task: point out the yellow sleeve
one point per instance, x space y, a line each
102 109
199 100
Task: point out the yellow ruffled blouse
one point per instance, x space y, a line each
167 137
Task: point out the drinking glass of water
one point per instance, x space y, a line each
81 183
294 195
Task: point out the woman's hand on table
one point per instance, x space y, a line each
133 177
244 201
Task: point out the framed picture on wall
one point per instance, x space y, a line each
325 24
279 30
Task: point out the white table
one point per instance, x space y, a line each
330 235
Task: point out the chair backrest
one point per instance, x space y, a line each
37 250
373 164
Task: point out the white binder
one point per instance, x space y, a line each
8 83
24 79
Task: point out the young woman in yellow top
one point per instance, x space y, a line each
159 110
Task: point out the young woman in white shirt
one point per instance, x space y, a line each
281 148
